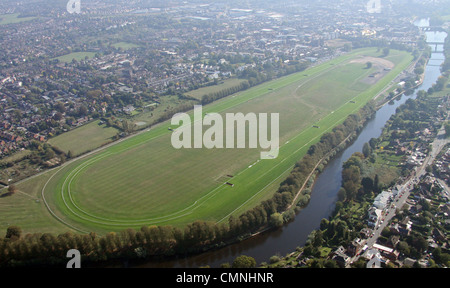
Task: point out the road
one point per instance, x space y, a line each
405 189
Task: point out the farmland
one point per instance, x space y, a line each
143 180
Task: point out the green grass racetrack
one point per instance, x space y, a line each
143 180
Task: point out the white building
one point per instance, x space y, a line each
382 200
374 217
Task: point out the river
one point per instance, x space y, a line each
324 194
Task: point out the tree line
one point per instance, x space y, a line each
211 97
362 42
445 67
333 141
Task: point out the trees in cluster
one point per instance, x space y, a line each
12 189
445 67
447 129
440 84
208 98
361 42
271 70
244 261
42 152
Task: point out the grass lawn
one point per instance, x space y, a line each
144 180
125 45
85 138
78 56
387 166
325 251
13 18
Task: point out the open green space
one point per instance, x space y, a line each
78 56
13 18
125 45
143 180
85 138
386 167
199 93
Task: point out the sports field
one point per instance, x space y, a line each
78 56
143 180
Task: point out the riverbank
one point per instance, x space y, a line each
380 103
323 248
319 253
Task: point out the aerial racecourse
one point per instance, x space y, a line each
216 160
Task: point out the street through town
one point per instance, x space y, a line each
404 191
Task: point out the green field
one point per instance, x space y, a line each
85 138
78 56
144 180
13 18
125 45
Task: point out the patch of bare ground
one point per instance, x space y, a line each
382 67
